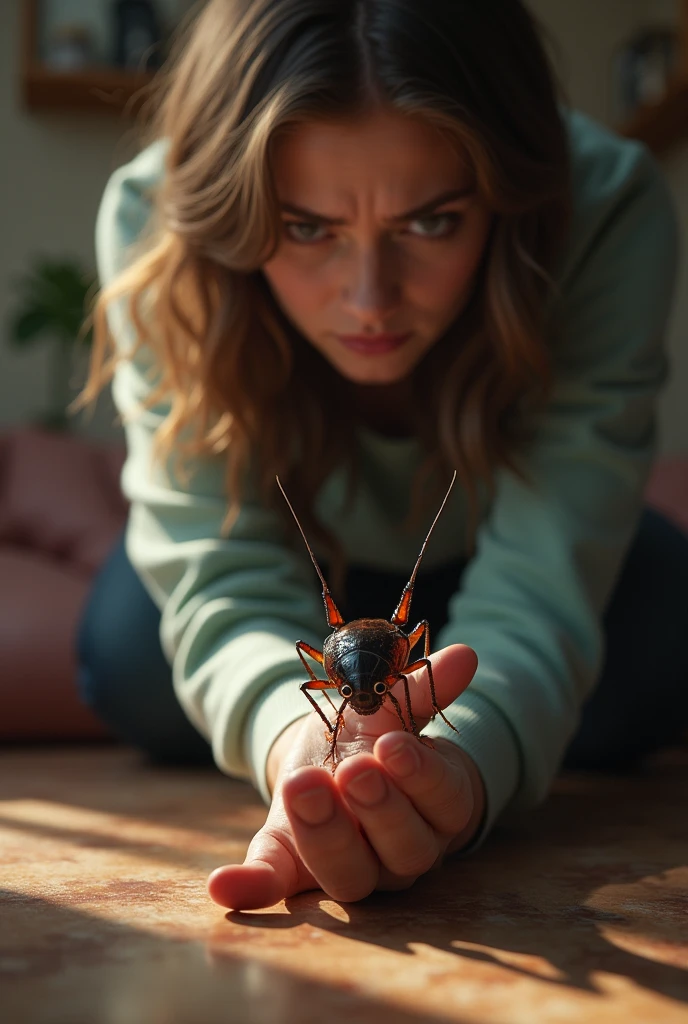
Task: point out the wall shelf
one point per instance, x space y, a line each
97 89
660 125
663 124
100 88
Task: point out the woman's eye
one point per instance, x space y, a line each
310 227
449 220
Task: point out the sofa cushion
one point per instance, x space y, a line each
60 494
40 604
667 488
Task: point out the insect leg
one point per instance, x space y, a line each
435 706
413 637
406 694
318 684
317 656
333 736
397 708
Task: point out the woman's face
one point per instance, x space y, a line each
379 268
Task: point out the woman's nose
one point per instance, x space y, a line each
372 291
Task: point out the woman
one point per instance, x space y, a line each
364 245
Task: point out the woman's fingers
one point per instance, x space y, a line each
405 797
271 871
453 668
405 843
438 789
312 837
272 868
327 836
310 840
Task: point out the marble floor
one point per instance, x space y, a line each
577 912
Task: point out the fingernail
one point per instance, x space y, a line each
313 806
368 788
402 760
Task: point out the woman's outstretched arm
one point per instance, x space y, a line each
548 555
231 607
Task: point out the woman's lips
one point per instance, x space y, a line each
373 345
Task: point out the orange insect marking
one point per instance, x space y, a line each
334 616
401 612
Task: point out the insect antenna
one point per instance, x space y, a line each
334 616
403 609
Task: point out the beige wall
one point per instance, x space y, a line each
53 168
52 172
587 33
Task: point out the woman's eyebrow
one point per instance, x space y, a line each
445 197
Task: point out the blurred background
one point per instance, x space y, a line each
69 75
65 76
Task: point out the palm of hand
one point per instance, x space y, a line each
390 812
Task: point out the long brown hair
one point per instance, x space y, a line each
235 371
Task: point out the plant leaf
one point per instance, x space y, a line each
54 294
27 325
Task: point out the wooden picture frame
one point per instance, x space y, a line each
95 89
660 125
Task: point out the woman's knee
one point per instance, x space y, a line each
118 641
123 675
640 703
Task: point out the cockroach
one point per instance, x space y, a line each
364 658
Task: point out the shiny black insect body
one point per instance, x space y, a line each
364 658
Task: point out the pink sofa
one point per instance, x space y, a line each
61 510
667 489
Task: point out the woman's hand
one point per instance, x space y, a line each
391 811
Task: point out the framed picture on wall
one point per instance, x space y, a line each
69 55
137 35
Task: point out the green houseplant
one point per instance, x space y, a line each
53 303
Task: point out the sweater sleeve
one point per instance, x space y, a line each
231 607
549 553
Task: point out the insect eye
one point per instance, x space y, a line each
380 688
346 690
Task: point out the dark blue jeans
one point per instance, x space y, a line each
639 705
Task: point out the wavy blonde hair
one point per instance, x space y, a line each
235 370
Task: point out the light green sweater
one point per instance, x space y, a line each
532 597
